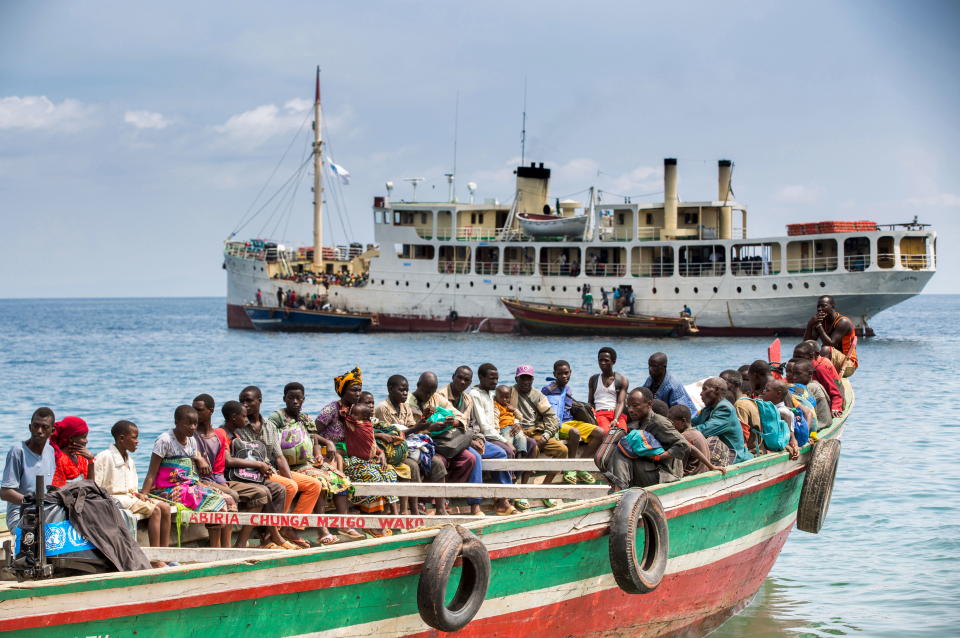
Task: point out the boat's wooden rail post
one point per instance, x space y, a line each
481 490
539 465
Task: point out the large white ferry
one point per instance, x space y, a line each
443 266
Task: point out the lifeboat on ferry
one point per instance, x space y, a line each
552 225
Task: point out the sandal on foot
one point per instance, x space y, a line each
550 502
352 534
301 543
328 539
510 511
521 504
570 477
272 545
586 477
380 533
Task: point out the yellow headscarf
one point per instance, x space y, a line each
341 382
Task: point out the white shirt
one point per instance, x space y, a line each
116 475
483 413
605 397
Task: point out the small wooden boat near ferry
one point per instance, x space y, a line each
699 549
547 319
303 320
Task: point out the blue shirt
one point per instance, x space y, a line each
721 421
555 395
672 392
20 473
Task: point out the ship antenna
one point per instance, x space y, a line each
523 125
456 129
317 182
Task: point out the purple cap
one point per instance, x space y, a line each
524 369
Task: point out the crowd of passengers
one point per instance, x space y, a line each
332 279
287 461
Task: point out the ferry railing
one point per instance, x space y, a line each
647 233
453 267
914 262
246 252
486 268
560 270
605 270
705 269
475 233
856 263
812 264
651 270
754 268
621 233
886 260
517 268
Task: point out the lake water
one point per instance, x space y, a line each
885 564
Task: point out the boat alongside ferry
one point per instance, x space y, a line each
443 266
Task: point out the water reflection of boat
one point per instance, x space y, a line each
303 320
552 225
550 319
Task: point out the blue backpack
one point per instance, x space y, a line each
801 429
774 430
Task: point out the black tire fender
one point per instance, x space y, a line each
453 316
818 485
639 509
452 542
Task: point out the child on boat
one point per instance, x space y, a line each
175 468
698 459
507 421
115 471
572 431
608 392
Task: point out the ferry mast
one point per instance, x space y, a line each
317 182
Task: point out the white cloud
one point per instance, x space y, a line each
252 128
942 200
798 194
146 119
37 112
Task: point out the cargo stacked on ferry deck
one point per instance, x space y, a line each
443 266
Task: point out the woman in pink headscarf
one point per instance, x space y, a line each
69 441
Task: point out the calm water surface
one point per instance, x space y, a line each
886 563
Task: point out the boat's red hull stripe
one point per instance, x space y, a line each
116 611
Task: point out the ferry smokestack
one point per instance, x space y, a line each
533 183
669 198
724 194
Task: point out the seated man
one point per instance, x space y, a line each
664 385
627 470
115 471
825 374
464 465
719 418
837 334
574 432
537 418
747 412
759 374
25 462
698 461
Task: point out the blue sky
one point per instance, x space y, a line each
134 136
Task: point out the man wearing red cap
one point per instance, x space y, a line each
536 416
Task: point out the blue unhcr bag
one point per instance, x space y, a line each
801 429
774 430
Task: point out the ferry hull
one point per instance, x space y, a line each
725 534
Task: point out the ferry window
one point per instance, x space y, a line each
812 255
754 260
702 261
396 217
473 218
620 218
696 290
774 286
560 261
913 252
605 262
690 219
519 261
414 251
454 259
856 253
378 217
423 218
654 291
739 289
885 256
649 219
651 261
488 260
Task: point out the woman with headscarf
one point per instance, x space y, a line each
74 461
348 425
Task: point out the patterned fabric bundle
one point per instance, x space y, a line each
640 443
177 481
363 471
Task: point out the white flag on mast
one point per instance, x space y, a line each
340 172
